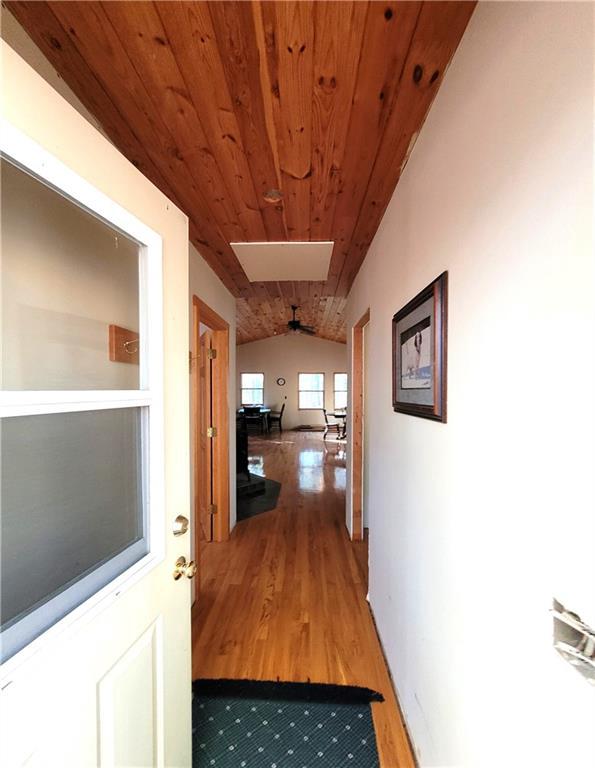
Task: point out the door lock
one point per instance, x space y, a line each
180 525
184 568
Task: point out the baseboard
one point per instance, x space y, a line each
394 687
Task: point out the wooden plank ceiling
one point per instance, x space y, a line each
219 102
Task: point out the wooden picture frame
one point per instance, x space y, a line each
419 353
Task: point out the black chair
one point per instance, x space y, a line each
330 426
253 416
276 417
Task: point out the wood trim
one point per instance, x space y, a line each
209 317
357 426
202 313
221 446
204 458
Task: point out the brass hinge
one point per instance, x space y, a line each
211 354
211 431
212 509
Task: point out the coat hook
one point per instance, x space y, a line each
130 351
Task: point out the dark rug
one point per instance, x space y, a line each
248 506
251 724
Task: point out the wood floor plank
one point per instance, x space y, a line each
285 597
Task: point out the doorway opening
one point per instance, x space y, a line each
358 431
210 424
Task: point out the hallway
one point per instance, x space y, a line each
285 597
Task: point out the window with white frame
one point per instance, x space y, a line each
81 434
252 388
310 391
340 391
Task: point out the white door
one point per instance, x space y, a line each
95 629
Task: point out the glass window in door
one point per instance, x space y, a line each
77 429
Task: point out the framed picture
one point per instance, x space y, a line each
419 353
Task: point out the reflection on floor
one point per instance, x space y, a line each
264 499
285 597
256 461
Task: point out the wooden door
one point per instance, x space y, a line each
205 318
205 439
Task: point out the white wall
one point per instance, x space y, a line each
286 356
476 524
205 284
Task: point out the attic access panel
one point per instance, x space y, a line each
285 260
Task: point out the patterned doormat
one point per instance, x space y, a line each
251 724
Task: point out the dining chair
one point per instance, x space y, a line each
254 416
276 417
330 426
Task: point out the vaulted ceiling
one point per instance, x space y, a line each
220 102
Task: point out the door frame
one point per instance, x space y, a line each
357 426
202 313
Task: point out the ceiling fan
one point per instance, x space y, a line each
296 326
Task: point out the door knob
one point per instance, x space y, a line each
184 568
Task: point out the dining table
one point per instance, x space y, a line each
264 412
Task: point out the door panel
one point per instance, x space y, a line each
205 421
130 713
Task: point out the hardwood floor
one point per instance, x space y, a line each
285 597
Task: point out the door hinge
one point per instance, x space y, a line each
211 431
211 354
212 509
